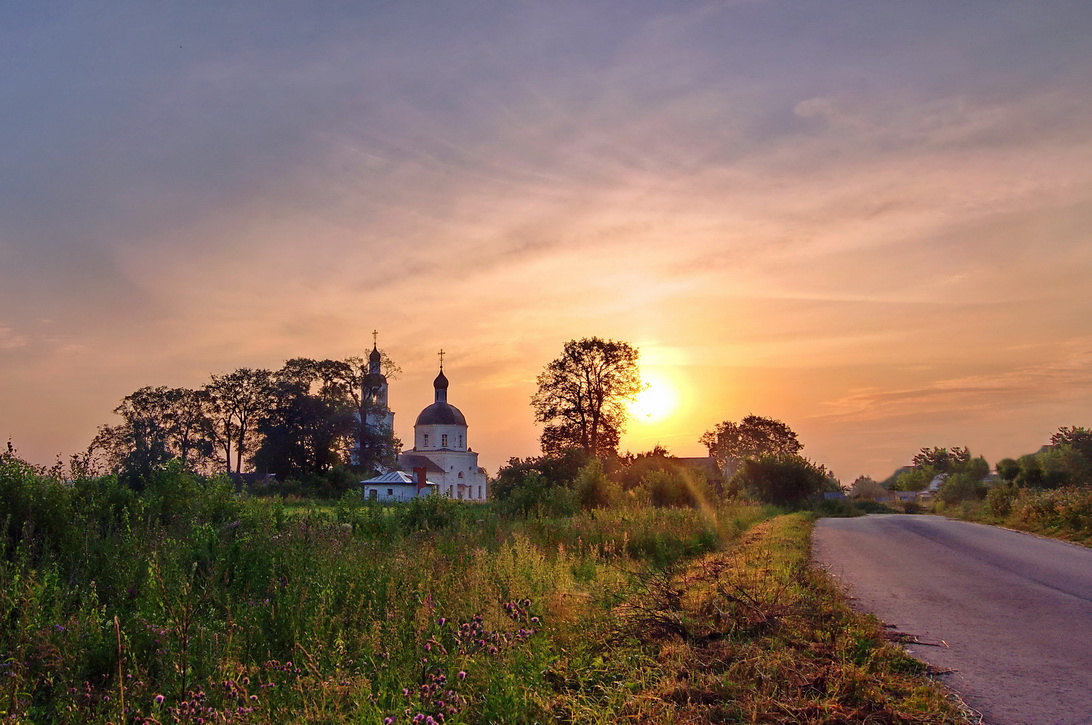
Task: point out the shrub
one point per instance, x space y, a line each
960 487
536 495
594 489
783 480
666 489
1000 499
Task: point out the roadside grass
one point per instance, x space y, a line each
1060 513
755 634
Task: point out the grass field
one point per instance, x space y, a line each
187 604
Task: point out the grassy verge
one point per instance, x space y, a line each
1060 513
755 634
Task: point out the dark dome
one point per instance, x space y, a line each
374 357
441 414
440 383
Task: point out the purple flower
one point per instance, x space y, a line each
159 699
443 621
461 675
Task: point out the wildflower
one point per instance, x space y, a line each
461 675
159 699
388 720
443 621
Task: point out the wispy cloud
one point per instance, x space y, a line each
1067 377
10 339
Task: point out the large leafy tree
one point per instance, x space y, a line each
236 403
1077 438
582 396
158 424
311 421
731 443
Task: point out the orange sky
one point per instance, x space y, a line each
869 220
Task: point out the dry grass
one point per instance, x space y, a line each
757 635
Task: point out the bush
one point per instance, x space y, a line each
429 513
535 495
594 489
960 487
1000 499
782 480
666 489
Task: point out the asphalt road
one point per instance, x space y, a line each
1009 613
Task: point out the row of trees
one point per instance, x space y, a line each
1067 461
302 419
582 403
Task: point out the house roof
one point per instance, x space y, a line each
414 460
395 478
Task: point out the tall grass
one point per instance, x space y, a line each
187 603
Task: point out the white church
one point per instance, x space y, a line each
441 460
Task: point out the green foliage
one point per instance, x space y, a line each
782 480
535 495
429 513
866 488
1077 438
731 443
582 395
943 460
960 487
672 489
1008 469
916 479
594 489
1063 512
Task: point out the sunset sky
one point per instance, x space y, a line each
869 219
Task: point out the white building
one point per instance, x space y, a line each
396 486
441 450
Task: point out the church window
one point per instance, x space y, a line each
460 440
460 474
443 441
390 491
426 440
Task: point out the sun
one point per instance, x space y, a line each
656 402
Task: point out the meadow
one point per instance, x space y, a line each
187 603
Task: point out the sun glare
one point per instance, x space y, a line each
656 402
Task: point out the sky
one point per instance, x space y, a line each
866 218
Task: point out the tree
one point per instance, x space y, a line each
236 403
158 425
942 460
582 396
783 479
865 487
731 443
310 424
1076 437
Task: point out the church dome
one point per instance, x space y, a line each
440 383
440 413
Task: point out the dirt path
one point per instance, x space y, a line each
1009 613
